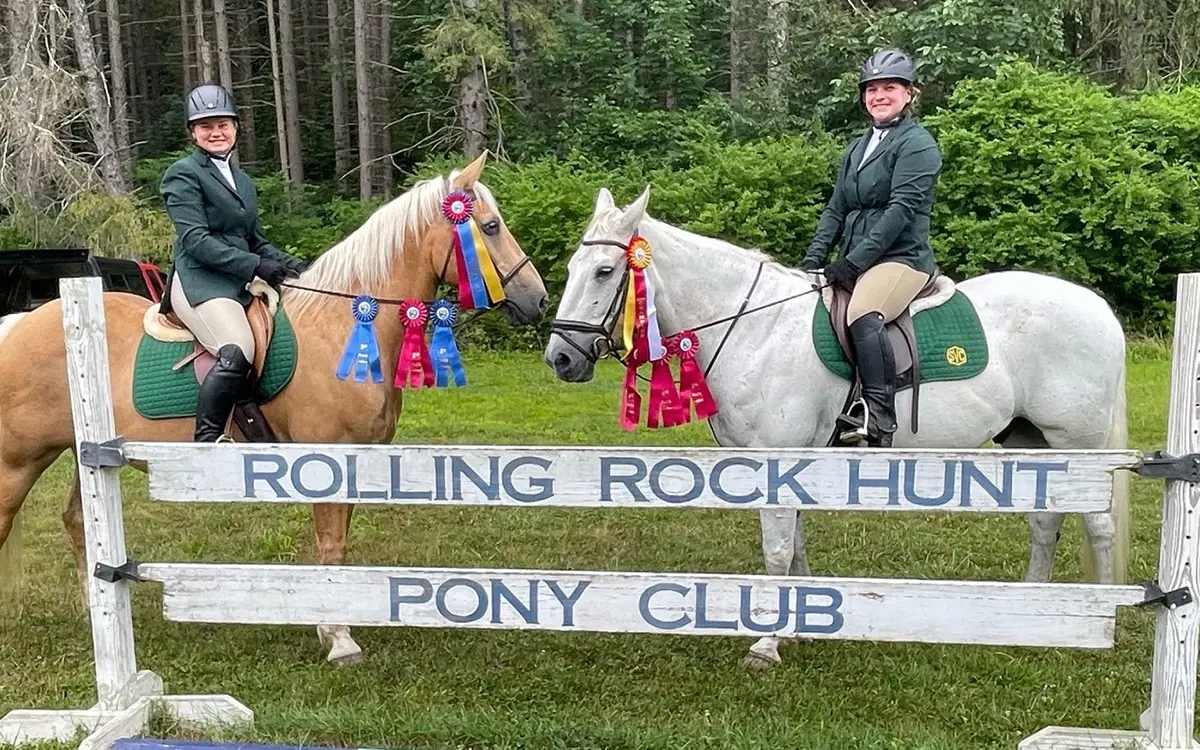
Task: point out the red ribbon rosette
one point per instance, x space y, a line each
693 389
457 207
414 367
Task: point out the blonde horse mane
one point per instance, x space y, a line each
364 259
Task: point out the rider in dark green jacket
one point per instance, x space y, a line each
219 249
880 212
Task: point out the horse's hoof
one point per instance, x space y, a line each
758 662
345 657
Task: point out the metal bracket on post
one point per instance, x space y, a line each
1159 465
126 571
106 455
1169 599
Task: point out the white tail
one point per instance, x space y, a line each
1118 437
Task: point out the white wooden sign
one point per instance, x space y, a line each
811 479
1015 614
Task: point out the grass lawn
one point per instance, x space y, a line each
491 689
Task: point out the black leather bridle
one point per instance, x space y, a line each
604 329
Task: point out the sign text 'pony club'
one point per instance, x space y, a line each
662 606
519 476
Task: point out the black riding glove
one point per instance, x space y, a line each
810 264
272 271
842 272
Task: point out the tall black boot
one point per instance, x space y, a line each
877 373
219 392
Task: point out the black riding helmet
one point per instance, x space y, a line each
210 100
885 64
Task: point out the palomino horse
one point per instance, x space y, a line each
400 252
1055 375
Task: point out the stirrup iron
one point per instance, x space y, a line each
853 428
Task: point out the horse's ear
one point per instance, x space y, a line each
471 173
604 200
634 213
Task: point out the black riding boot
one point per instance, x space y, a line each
877 373
219 392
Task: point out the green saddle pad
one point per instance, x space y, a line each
950 341
160 393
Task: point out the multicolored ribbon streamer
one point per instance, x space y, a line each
446 359
693 389
479 285
362 349
636 321
414 367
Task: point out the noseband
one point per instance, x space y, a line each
603 329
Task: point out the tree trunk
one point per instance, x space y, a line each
736 45
18 173
1134 64
472 101
281 141
519 44
362 74
381 107
579 8
185 43
137 82
777 31
244 87
224 59
204 51
98 113
116 54
291 99
337 64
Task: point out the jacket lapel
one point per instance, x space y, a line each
893 135
207 165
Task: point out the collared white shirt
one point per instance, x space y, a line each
223 167
877 136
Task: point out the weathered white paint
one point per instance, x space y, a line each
1169 723
1075 738
125 695
663 603
25 726
978 612
590 477
103 520
1173 694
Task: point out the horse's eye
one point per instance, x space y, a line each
491 228
603 272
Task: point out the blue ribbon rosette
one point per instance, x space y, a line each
362 350
446 359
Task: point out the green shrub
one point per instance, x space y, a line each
1049 173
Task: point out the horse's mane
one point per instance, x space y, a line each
364 259
718 246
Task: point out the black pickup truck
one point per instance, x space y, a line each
29 278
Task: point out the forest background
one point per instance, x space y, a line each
1070 129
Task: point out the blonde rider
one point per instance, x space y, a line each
219 249
880 211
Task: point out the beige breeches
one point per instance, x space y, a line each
886 288
215 323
